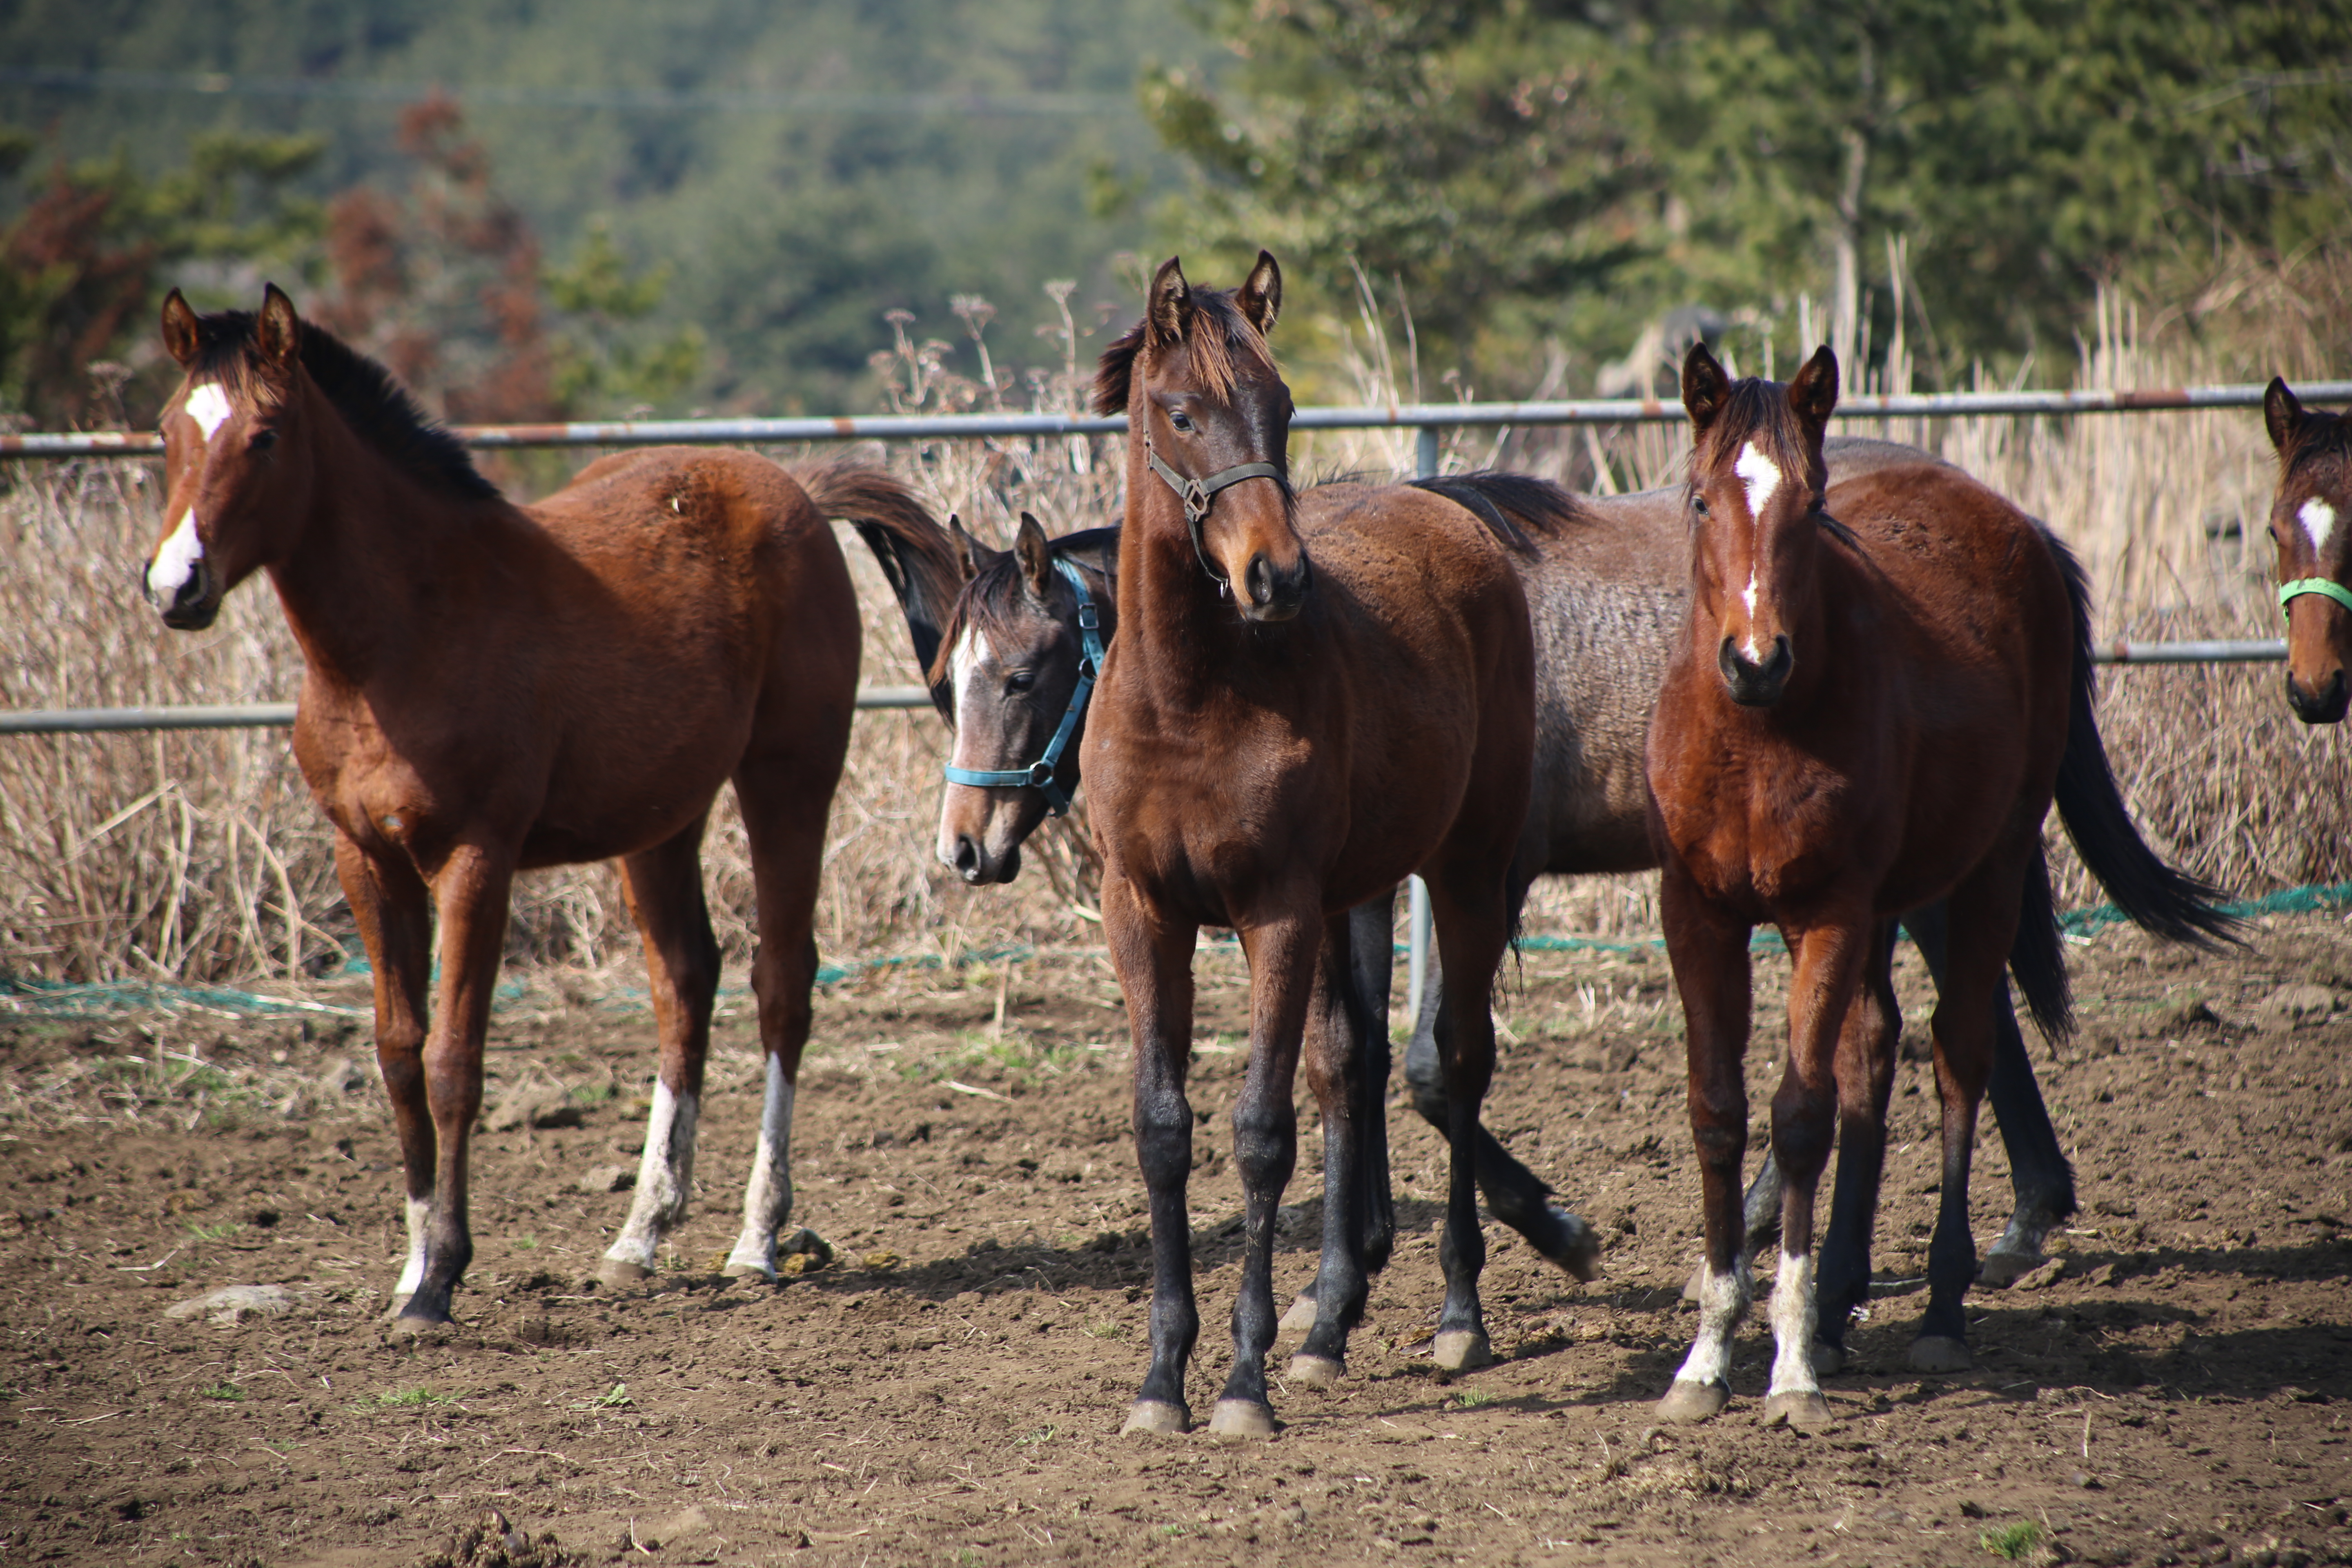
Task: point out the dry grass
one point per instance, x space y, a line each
198 856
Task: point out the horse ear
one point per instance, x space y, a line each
278 333
1260 295
181 340
1813 394
1705 387
2282 413
1037 557
1171 308
972 556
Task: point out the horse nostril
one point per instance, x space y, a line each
1260 578
967 857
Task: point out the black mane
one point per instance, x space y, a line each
378 409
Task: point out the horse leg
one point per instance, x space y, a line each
1866 1075
395 913
1471 914
1824 992
2039 1173
1710 951
784 812
1984 914
1371 942
470 889
1760 1221
1281 962
1339 1019
663 888
1153 959
1514 1194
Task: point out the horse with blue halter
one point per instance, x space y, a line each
491 687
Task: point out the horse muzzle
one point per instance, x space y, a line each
1753 685
976 866
1272 592
2324 706
195 603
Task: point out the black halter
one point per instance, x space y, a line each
1198 494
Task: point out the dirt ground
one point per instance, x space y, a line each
948 1389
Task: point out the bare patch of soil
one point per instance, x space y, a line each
948 1390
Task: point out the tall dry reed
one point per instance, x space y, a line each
199 856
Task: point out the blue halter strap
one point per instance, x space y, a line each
1042 773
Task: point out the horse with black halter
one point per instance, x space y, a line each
1879 688
1308 699
492 687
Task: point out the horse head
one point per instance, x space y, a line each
2311 516
1756 479
235 488
1209 417
1017 663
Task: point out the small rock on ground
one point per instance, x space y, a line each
232 1304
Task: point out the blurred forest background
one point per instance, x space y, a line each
590 208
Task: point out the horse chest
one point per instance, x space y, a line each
1767 830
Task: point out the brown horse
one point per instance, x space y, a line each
1879 688
2311 522
1304 703
492 687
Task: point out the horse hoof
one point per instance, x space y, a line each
620 1271
1804 1407
407 1327
2000 1270
1575 1248
1829 1360
1940 1352
759 1271
1157 1417
1242 1418
1301 1316
1689 1403
1316 1370
1461 1350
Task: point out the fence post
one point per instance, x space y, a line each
1424 453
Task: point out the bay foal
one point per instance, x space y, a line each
1300 709
1877 692
2311 525
490 687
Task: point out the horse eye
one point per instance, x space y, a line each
263 439
1020 680
1181 421
1698 504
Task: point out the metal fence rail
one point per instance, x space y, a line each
278 715
1410 415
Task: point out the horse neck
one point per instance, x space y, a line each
1169 612
372 536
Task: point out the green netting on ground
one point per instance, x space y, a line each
65 999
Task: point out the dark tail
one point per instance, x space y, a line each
1510 504
914 550
2157 897
2037 956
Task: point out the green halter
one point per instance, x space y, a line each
2301 586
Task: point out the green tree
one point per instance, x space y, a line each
80 261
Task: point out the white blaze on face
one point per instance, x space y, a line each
972 650
413 1274
1762 477
767 1199
209 407
2318 520
175 562
665 1177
